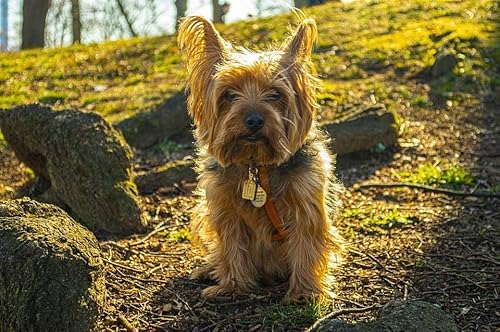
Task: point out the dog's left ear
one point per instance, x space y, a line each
300 46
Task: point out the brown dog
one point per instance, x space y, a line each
265 173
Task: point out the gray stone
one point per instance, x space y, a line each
444 64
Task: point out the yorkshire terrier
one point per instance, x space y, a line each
265 173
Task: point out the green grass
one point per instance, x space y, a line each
364 48
293 316
3 142
180 235
377 220
429 174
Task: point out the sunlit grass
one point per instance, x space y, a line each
377 220
429 174
3 142
121 78
180 235
296 315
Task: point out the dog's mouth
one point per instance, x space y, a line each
252 138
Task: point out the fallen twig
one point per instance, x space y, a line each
334 314
126 323
122 266
428 188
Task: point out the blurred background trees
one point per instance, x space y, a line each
54 23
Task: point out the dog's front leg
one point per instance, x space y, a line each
234 268
309 246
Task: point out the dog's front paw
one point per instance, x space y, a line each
221 290
300 296
203 273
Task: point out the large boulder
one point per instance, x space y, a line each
167 120
86 163
51 270
397 316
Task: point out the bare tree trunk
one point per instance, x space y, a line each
127 18
300 3
34 15
76 22
217 14
181 6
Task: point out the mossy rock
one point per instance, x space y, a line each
167 120
51 270
397 316
166 176
363 132
86 161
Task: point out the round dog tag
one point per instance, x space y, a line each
260 197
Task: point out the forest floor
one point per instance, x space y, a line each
403 243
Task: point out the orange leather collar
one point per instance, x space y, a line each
269 206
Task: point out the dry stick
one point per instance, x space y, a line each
122 266
126 323
334 314
144 239
235 317
428 188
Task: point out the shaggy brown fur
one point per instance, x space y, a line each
227 84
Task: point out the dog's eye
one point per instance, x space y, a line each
274 95
230 95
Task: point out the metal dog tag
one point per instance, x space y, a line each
260 197
249 190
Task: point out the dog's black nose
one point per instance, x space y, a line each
254 121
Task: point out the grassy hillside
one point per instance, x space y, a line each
364 48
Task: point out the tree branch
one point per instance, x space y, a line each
429 189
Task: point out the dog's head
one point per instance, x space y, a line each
249 107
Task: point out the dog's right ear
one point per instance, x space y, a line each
200 42
203 49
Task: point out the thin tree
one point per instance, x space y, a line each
300 3
33 30
217 12
76 22
127 18
181 7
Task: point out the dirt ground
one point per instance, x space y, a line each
439 248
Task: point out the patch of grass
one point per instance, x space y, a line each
376 220
494 188
180 235
389 219
429 174
294 316
421 101
3 142
169 146
52 97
